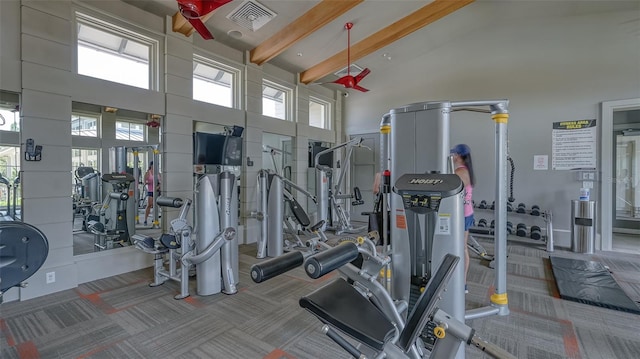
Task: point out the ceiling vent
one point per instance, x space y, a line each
252 15
353 69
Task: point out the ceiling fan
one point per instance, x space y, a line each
349 81
193 10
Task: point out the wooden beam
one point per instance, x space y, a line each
181 25
399 29
320 15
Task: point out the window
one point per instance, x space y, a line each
130 131
111 53
319 114
275 100
9 119
84 125
85 157
214 82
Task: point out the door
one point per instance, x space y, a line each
364 166
619 172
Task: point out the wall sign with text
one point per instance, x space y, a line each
574 145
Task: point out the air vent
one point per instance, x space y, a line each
252 15
353 69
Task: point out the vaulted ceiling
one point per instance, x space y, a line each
309 36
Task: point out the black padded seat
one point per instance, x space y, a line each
299 213
342 306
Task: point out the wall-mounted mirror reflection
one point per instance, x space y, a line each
116 175
10 189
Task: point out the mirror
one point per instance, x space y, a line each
10 188
277 154
112 186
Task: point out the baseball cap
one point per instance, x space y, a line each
461 149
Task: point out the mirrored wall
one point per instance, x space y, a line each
113 176
10 189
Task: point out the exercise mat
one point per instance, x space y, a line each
591 283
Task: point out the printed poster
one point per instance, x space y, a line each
574 145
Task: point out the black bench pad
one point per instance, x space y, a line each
342 306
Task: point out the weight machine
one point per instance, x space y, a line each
330 198
118 160
363 309
418 138
272 196
213 253
110 223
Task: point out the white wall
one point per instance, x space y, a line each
551 62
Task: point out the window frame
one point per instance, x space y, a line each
125 30
288 97
145 132
328 112
98 118
219 64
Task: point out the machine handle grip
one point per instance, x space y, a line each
276 266
174 202
324 262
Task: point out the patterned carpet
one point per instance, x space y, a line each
122 317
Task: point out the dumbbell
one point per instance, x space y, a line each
521 230
522 208
493 205
509 207
483 204
482 222
535 210
536 233
493 223
509 227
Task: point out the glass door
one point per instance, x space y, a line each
627 189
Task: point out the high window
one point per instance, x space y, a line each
130 131
276 100
110 52
84 125
319 114
214 82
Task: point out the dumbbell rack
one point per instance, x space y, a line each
546 216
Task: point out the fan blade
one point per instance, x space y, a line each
359 88
362 74
200 28
346 81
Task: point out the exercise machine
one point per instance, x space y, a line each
214 250
216 215
111 225
361 307
23 250
331 205
177 248
272 196
419 142
118 163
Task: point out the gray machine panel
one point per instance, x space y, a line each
422 192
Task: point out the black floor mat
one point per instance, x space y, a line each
590 283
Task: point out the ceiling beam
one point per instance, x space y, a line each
320 15
183 26
399 29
